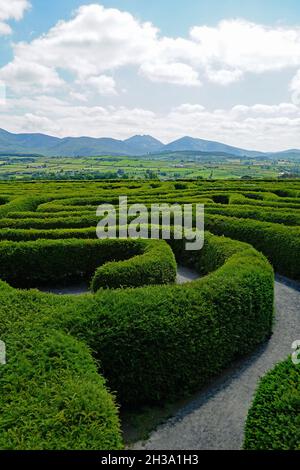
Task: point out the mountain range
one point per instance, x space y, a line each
138 145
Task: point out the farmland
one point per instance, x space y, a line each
137 339
166 166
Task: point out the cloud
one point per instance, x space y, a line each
174 73
295 88
223 77
247 47
97 41
30 77
11 10
101 85
259 127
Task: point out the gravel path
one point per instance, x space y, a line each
215 418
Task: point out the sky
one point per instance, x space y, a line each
221 70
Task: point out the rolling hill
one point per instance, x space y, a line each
135 146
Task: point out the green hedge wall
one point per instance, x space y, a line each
157 265
159 343
22 203
274 419
52 396
30 264
279 243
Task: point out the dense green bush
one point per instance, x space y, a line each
286 217
152 343
52 234
52 396
156 265
29 264
279 243
50 223
274 419
22 203
170 340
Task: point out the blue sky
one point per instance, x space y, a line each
224 69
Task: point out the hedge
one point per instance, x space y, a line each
280 244
30 264
52 396
160 343
273 421
22 203
156 265
249 212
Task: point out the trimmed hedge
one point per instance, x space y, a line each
273 421
52 234
160 343
275 216
279 243
52 397
156 265
29 264
22 203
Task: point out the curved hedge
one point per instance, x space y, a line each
57 399
279 243
154 343
156 265
170 340
52 396
273 421
31 264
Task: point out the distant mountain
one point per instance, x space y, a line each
145 144
76 146
189 143
286 154
135 146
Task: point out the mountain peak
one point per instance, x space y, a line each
144 143
42 144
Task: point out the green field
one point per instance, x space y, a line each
165 166
136 341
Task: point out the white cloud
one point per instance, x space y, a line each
30 77
174 73
98 40
101 85
248 47
79 58
260 127
295 88
11 10
223 77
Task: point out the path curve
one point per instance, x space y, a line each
215 418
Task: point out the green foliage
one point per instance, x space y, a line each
170 340
153 343
57 400
29 264
156 265
274 419
280 244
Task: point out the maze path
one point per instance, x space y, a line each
215 419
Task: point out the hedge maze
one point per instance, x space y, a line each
137 338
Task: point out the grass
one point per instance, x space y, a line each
165 167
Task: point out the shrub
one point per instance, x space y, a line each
273 421
170 340
280 244
28 264
22 203
52 397
156 265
